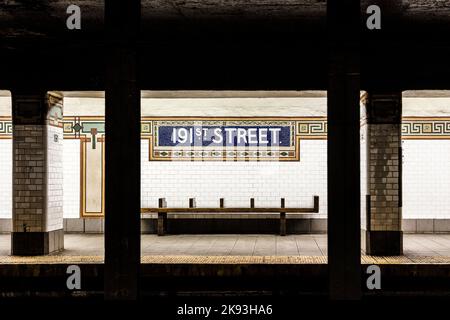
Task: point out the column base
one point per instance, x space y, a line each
36 243
384 243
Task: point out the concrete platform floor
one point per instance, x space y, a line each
242 248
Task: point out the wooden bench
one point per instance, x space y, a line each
163 210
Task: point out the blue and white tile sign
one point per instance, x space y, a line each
227 139
219 136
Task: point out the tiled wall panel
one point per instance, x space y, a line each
71 165
384 180
237 182
426 179
29 176
54 170
5 178
426 172
425 187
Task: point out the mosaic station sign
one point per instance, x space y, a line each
213 139
219 136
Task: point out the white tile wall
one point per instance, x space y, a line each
54 218
71 168
426 179
426 167
426 188
237 182
5 178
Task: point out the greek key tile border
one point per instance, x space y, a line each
420 128
5 128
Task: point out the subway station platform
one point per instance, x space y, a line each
234 249
240 265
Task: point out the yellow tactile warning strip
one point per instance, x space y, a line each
55 259
235 259
51 259
405 260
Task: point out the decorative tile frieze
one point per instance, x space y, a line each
312 128
91 133
306 128
426 128
5 128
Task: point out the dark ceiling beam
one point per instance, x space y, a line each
230 68
181 53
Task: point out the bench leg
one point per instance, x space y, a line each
162 223
282 223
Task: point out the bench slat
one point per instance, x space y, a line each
229 210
